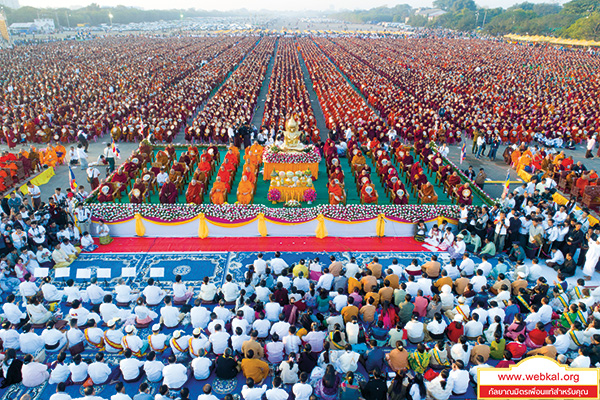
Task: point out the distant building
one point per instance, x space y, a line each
10 3
430 13
45 25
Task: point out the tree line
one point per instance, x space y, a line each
577 19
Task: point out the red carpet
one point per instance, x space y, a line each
158 245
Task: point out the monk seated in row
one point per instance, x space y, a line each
399 197
218 193
176 178
139 192
464 194
162 158
427 194
368 194
245 191
337 193
109 192
358 162
436 163
168 192
195 192
451 182
121 177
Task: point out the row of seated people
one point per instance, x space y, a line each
225 176
335 176
415 174
15 167
247 186
362 174
388 175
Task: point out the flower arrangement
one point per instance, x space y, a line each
111 212
292 204
274 155
274 195
310 195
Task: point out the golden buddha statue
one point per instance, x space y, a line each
292 135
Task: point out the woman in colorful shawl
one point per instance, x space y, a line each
569 316
348 389
419 360
327 387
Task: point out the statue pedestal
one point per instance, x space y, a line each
277 160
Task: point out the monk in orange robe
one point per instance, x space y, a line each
245 191
250 174
368 194
337 195
162 157
428 195
61 153
581 183
218 193
195 192
50 157
514 158
358 161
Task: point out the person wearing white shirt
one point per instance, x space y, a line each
27 288
180 291
340 300
170 316
202 367
351 268
223 313
347 361
301 283
281 327
425 284
260 265
31 342
414 330
272 310
162 177
535 271
199 315
278 264
478 281
473 328
452 269
60 372
291 341
262 326
459 377
79 370
557 259
238 339
581 361
153 368
495 310
461 351
285 281
533 318
54 340
124 293
95 293
50 292
12 312
175 375
34 373
207 395
545 311
100 372
131 367
325 281
208 290
153 294
230 289
214 321
277 393
467 265
219 340
249 392
120 395
240 322
302 390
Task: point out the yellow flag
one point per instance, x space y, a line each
380 226
140 230
321 231
262 225
202 227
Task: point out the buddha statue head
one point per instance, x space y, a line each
291 125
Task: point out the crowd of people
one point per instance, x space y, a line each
311 328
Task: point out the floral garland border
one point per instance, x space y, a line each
236 213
